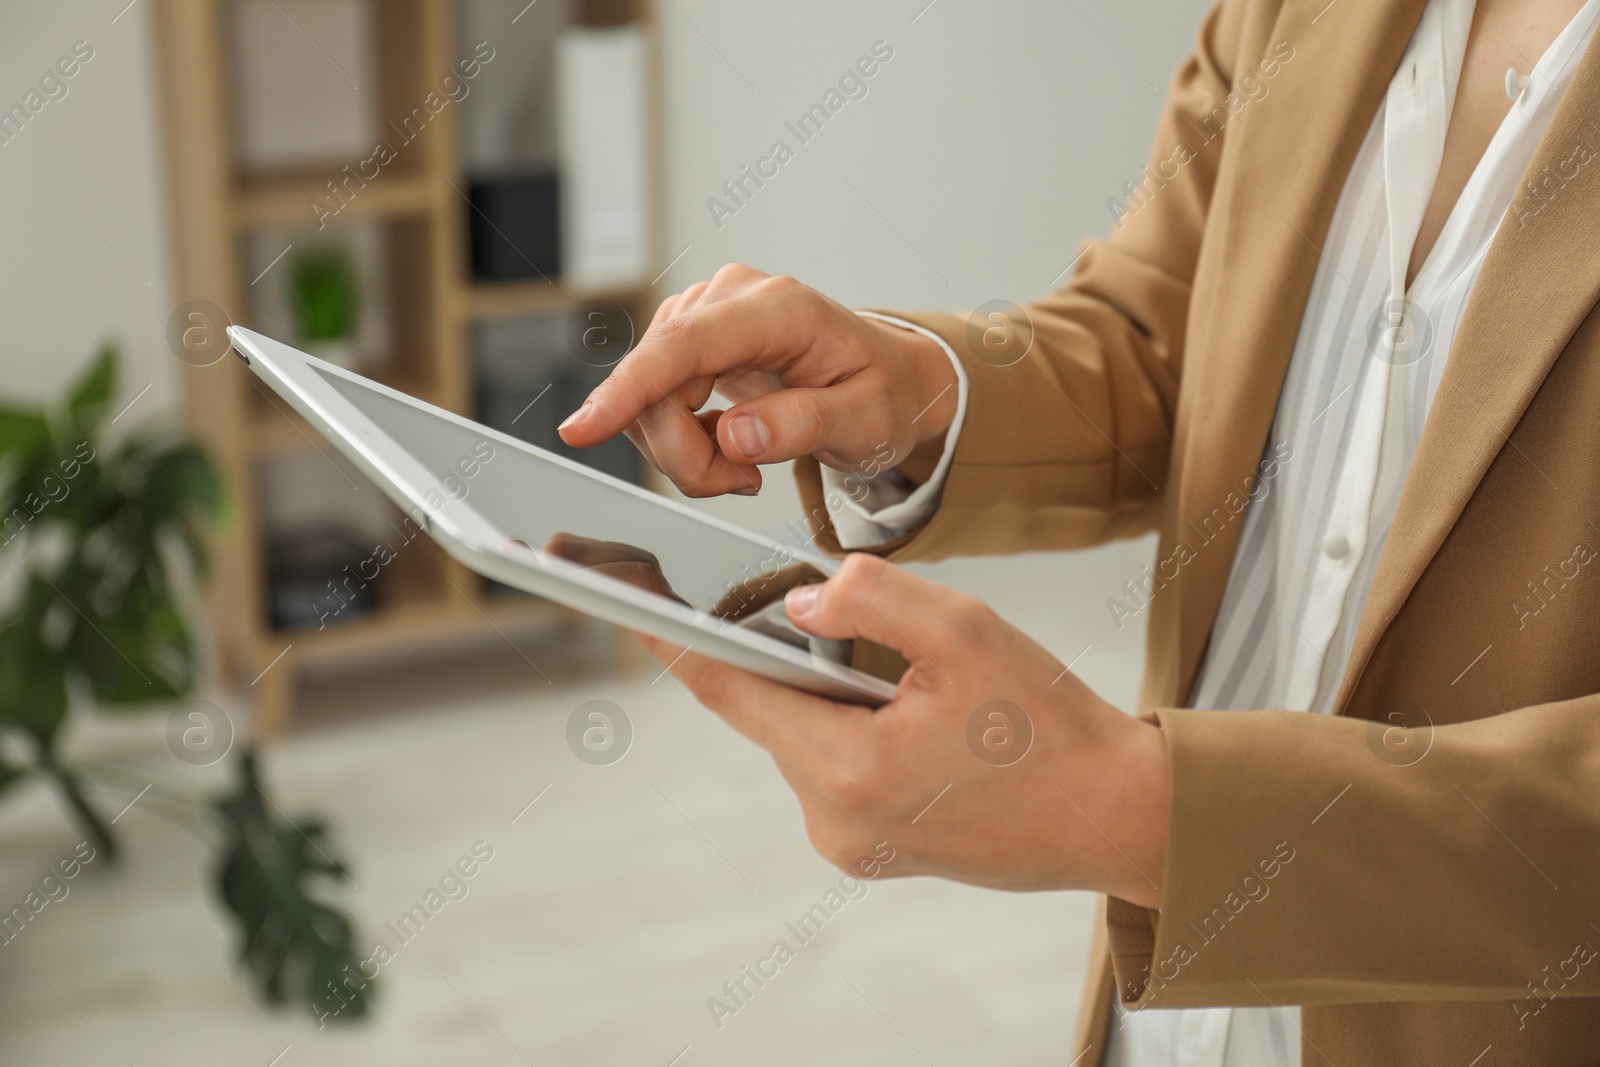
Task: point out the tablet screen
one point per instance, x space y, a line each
567 512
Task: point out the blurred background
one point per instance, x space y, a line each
479 202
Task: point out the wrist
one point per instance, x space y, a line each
932 400
1143 816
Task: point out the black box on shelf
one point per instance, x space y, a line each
514 223
529 380
313 578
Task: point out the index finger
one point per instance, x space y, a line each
709 341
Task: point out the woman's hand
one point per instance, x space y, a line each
992 765
806 376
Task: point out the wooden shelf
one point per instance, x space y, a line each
500 300
216 208
282 432
415 624
287 199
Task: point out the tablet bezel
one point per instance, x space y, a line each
469 536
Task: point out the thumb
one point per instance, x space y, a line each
868 597
847 420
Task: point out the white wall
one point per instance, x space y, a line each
69 281
991 142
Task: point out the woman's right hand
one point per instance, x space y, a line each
805 375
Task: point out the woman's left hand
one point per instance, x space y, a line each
992 765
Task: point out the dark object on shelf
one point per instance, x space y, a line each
515 226
604 12
529 377
315 578
529 380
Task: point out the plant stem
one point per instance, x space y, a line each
95 773
98 833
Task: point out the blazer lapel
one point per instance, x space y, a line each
1541 279
1270 216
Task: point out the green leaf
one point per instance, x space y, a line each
10 776
22 430
182 480
25 446
21 501
91 393
33 675
139 655
33 689
129 640
295 947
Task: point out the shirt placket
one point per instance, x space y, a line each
1415 113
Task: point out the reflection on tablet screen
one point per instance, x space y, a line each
568 513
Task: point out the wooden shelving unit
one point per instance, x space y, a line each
425 598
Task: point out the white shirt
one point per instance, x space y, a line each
1365 367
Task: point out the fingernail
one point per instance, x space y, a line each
801 600
748 490
749 435
577 416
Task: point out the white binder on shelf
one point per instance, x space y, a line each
600 80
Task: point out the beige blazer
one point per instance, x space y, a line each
1432 910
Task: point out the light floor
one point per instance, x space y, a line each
612 909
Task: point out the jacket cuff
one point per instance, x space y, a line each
1242 810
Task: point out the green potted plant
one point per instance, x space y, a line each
100 539
326 297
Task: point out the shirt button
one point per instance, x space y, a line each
1336 546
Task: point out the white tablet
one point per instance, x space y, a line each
542 523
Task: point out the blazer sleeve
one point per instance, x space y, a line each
1068 445
1318 860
